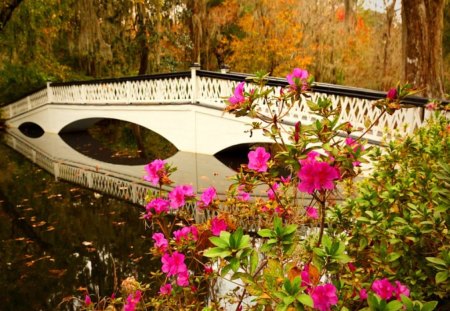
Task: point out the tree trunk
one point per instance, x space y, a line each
423 23
6 11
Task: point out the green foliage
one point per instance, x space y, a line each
398 221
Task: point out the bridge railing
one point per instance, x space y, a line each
210 89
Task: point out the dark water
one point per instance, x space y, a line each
58 241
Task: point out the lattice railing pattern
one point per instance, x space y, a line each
135 91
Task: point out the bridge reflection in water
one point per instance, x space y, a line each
52 153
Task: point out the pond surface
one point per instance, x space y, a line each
59 241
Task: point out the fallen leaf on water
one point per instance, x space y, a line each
20 239
39 224
57 273
50 228
86 243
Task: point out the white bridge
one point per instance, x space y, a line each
187 108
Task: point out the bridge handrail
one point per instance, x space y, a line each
210 88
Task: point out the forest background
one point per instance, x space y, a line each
338 41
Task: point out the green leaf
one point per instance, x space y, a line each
306 300
234 263
394 305
437 261
217 252
244 242
441 276
219 242
290 229
254 259
265 233
392 257
429 306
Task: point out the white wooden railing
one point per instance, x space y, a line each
209 89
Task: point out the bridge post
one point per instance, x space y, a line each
49 93
56 170
194 84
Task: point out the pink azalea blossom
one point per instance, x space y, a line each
132 301
271 193
155 170
315 175
158 205
258 159
324 296
218 225
178 195
431 106
208 270
300 75
306 281
383 288
238 97
242 195
286 180
87 300
363 294
186 234
312 212
183 278
392 94
160 241
207 197
173 264
165 290
400 289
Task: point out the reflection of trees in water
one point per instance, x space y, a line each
56 238
131 140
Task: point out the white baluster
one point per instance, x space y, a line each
49 93
194 82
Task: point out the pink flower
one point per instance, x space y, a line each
271 193
178 195
363 294
400 289
155 170
286 180
159 205
351 266
258 159
186 233
218 225
383 288
183 278
315 175
431 106
392 94
87 300
166 289
132 301
312 212
173 265
296 77
242 195
238 97
306 281
208 270
324 296
160 241
207 197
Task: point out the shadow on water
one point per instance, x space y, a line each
59 241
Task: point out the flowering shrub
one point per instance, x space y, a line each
295 248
